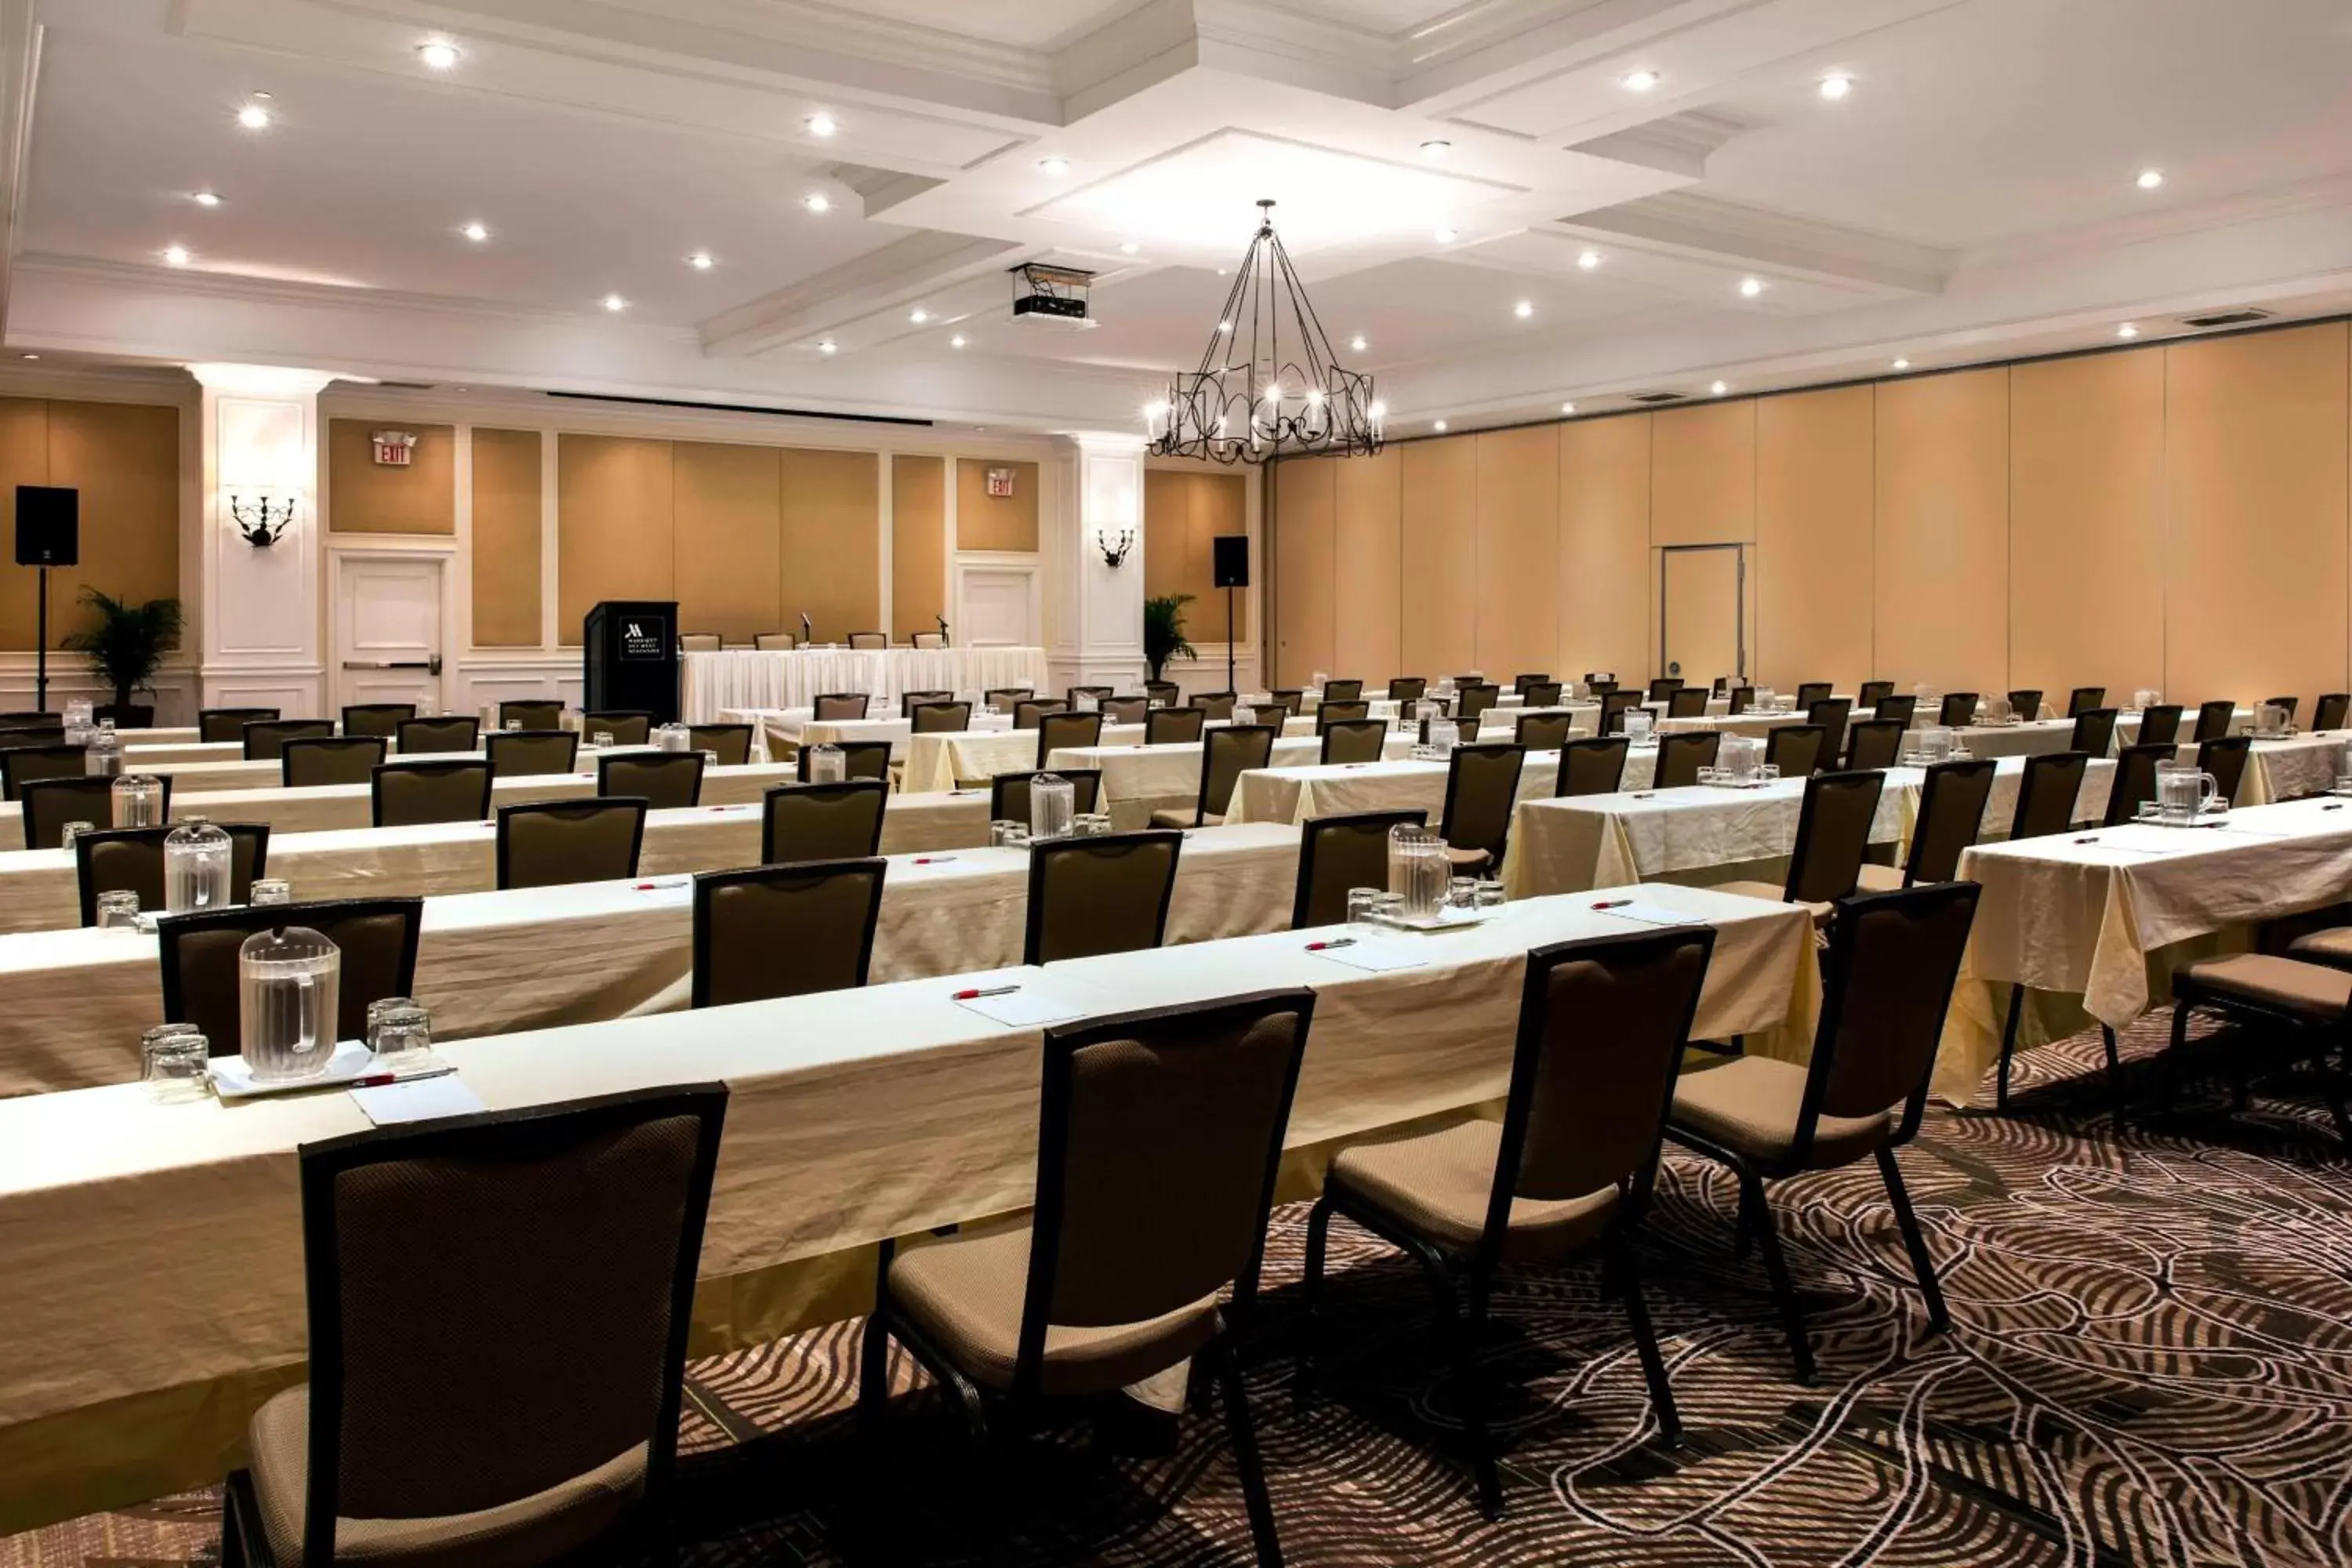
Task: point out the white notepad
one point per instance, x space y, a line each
1652 914
419 1100
1023 1009
1376 957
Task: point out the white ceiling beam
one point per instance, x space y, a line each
1702 228
904 270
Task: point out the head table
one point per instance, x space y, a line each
750 677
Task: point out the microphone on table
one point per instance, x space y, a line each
943 626
804 628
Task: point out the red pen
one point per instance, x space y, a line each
933 860
377 1080
1326 946
1612 903
974 995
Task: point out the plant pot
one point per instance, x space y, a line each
129 715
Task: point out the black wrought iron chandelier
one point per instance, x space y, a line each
1269 386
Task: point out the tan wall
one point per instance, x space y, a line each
506 545
124 459
1183 511
832 542
364 496
2176 516
726 524
995 522
614 528
919 545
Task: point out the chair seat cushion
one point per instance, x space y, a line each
1877 878
1750 1105
2285 983
1777 894
2333 947
1437 1187
1467 859
552 1524
1184 819
965 1295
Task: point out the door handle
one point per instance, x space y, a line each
431 666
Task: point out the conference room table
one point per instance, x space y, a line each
2127 722
1297 794
944 759
228 768
796 678
2286 768
991 741
1140 779
73 1003
2028 738
155 1288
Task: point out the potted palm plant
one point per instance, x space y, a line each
1163 632
125 647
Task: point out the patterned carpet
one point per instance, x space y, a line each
2151 1364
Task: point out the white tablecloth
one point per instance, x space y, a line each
2032 738
229 771
1140 779
854 1116
2128 724
1298 793
747 678
2284 770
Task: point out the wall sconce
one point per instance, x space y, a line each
1114 545
261 517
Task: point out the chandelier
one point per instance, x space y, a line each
1268 386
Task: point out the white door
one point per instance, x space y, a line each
387 630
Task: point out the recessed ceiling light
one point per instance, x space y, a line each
1641 81
1750 286
2129 330
1524 308
826 345
615 302
476 232
1588 259
253 116
1902 364
2150 179
1357 343
1055 166
1444 236
703 261
958 341
1436 147
918 315
817 202
1836 85
175 255
438 54
1719 388
1437 424
205 198
1567 408
821 124
1129 247
28 356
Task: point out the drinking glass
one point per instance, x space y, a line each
601 740
1490 894
1767 773
1090 824
74 830
710 761
1002 832
1462 893
175 1061
511 725
118 909
1362 903
398 1028
272 890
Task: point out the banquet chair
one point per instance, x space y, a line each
1662 688
1958 710
1159 1138
1474 703
531 712
667 780
130 859
1482 791
412 794
2288 703
1795 749
700 642
1008 794
1737 699
423 737
1216 704
1593 766
628 726
1833 838
910 701
2026 703
1342 691
938 718
2162 722
50 735
2331 711
1338 853
2225 759
1613 708
538 1419
2095 732
1690 702
801 822
1831 713
20 765
1542 732
1603 1024
1226 754
1067 732
551 843
1886 982
784 931
2214 719
2290 1000
1126 709
1174 727
860 760
869 640
839 707
1540 694
1897 709
1104 894
381 720
199 952
1003 699
518 753
2079 700
774 642
1407 688
1341 713
927 639
732 742
1163 693
217 725
1874 744
46 806
37 719
1598 684
1951 814
1519 683
1811 691
1680 757
1720 685
2134 782
2047 797
329 760
1070 697
1354 740
1872 693
1029 712
265 739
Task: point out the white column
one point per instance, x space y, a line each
261 618
1098 637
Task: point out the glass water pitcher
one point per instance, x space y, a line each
288 983
196 856
103 757
138 800
1052 802
827 764
1419 870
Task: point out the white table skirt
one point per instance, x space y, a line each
1300 794
2033 738
2287 770
748 678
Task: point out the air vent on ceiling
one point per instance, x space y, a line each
2227 317
409 385
1654 396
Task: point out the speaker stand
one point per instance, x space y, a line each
41 650
1229 637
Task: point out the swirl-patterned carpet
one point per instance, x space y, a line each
2151 1362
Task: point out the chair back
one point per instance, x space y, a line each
199 957
1833 836
1519 683
1874 692
1067 732
556 1349
329 760
1338 853
1343 690
1474 703
1690 702
526 754
46 806
1004 698
1482 791
20 765
423 737
802 822
1662 688
928 639
549 843
265 739
2214 719
381 720
531 712
1127 710
1737 699
1104 894
2026 703
700 642
410 794
1811 691
217 725
35 719
1408 688
1593 766
840 707
628 727
1216 704
1886 984
860 760
1227 753
1543 731
2161 722
1951 814
1164 693
784 931
2225 759
1030 712
1958 710
1614 706
1874 744
1680 757
869 640
1174 727
2135 780
1159 1139
2080 701
1008 794
938 718
2047 797
667 780
774 642
1896 709
1341 713
2095 732
910 701
2330 711
130 859
1830 714
732 742
1795 749
1355 741
1072 694
2286 703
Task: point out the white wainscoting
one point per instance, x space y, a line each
487 679
297 691
998 602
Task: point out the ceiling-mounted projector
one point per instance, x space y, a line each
1050 295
